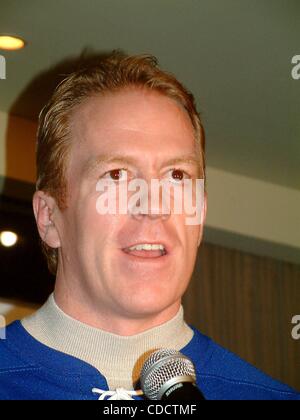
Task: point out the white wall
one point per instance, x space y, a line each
253 208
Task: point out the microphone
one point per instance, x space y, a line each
169 375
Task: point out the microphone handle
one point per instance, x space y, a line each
183 391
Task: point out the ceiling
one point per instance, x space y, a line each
234 55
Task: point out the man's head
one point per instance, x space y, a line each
130 117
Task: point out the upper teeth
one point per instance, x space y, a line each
147 247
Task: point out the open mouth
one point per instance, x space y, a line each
146 251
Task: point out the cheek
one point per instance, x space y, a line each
191 242
82 224
93 232
98 233
189 233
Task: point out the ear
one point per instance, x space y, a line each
44 207
203 219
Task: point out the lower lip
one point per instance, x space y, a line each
154 261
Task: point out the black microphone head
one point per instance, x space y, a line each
162 367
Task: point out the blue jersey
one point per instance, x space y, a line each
29 370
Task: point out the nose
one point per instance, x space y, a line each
152 203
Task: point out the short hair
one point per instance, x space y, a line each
108 74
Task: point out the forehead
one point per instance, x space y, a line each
135 120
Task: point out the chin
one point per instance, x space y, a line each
150 306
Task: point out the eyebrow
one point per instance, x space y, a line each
100 160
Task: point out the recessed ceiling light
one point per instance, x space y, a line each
8 238
11 43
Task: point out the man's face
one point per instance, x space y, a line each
147 131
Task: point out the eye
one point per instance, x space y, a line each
116 175
178 175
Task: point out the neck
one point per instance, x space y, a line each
80 307
119 359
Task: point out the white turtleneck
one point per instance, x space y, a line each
118 358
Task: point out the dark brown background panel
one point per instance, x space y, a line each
24 275
246 303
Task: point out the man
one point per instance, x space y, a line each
120 277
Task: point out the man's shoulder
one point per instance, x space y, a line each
11 356
224 374
14 369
